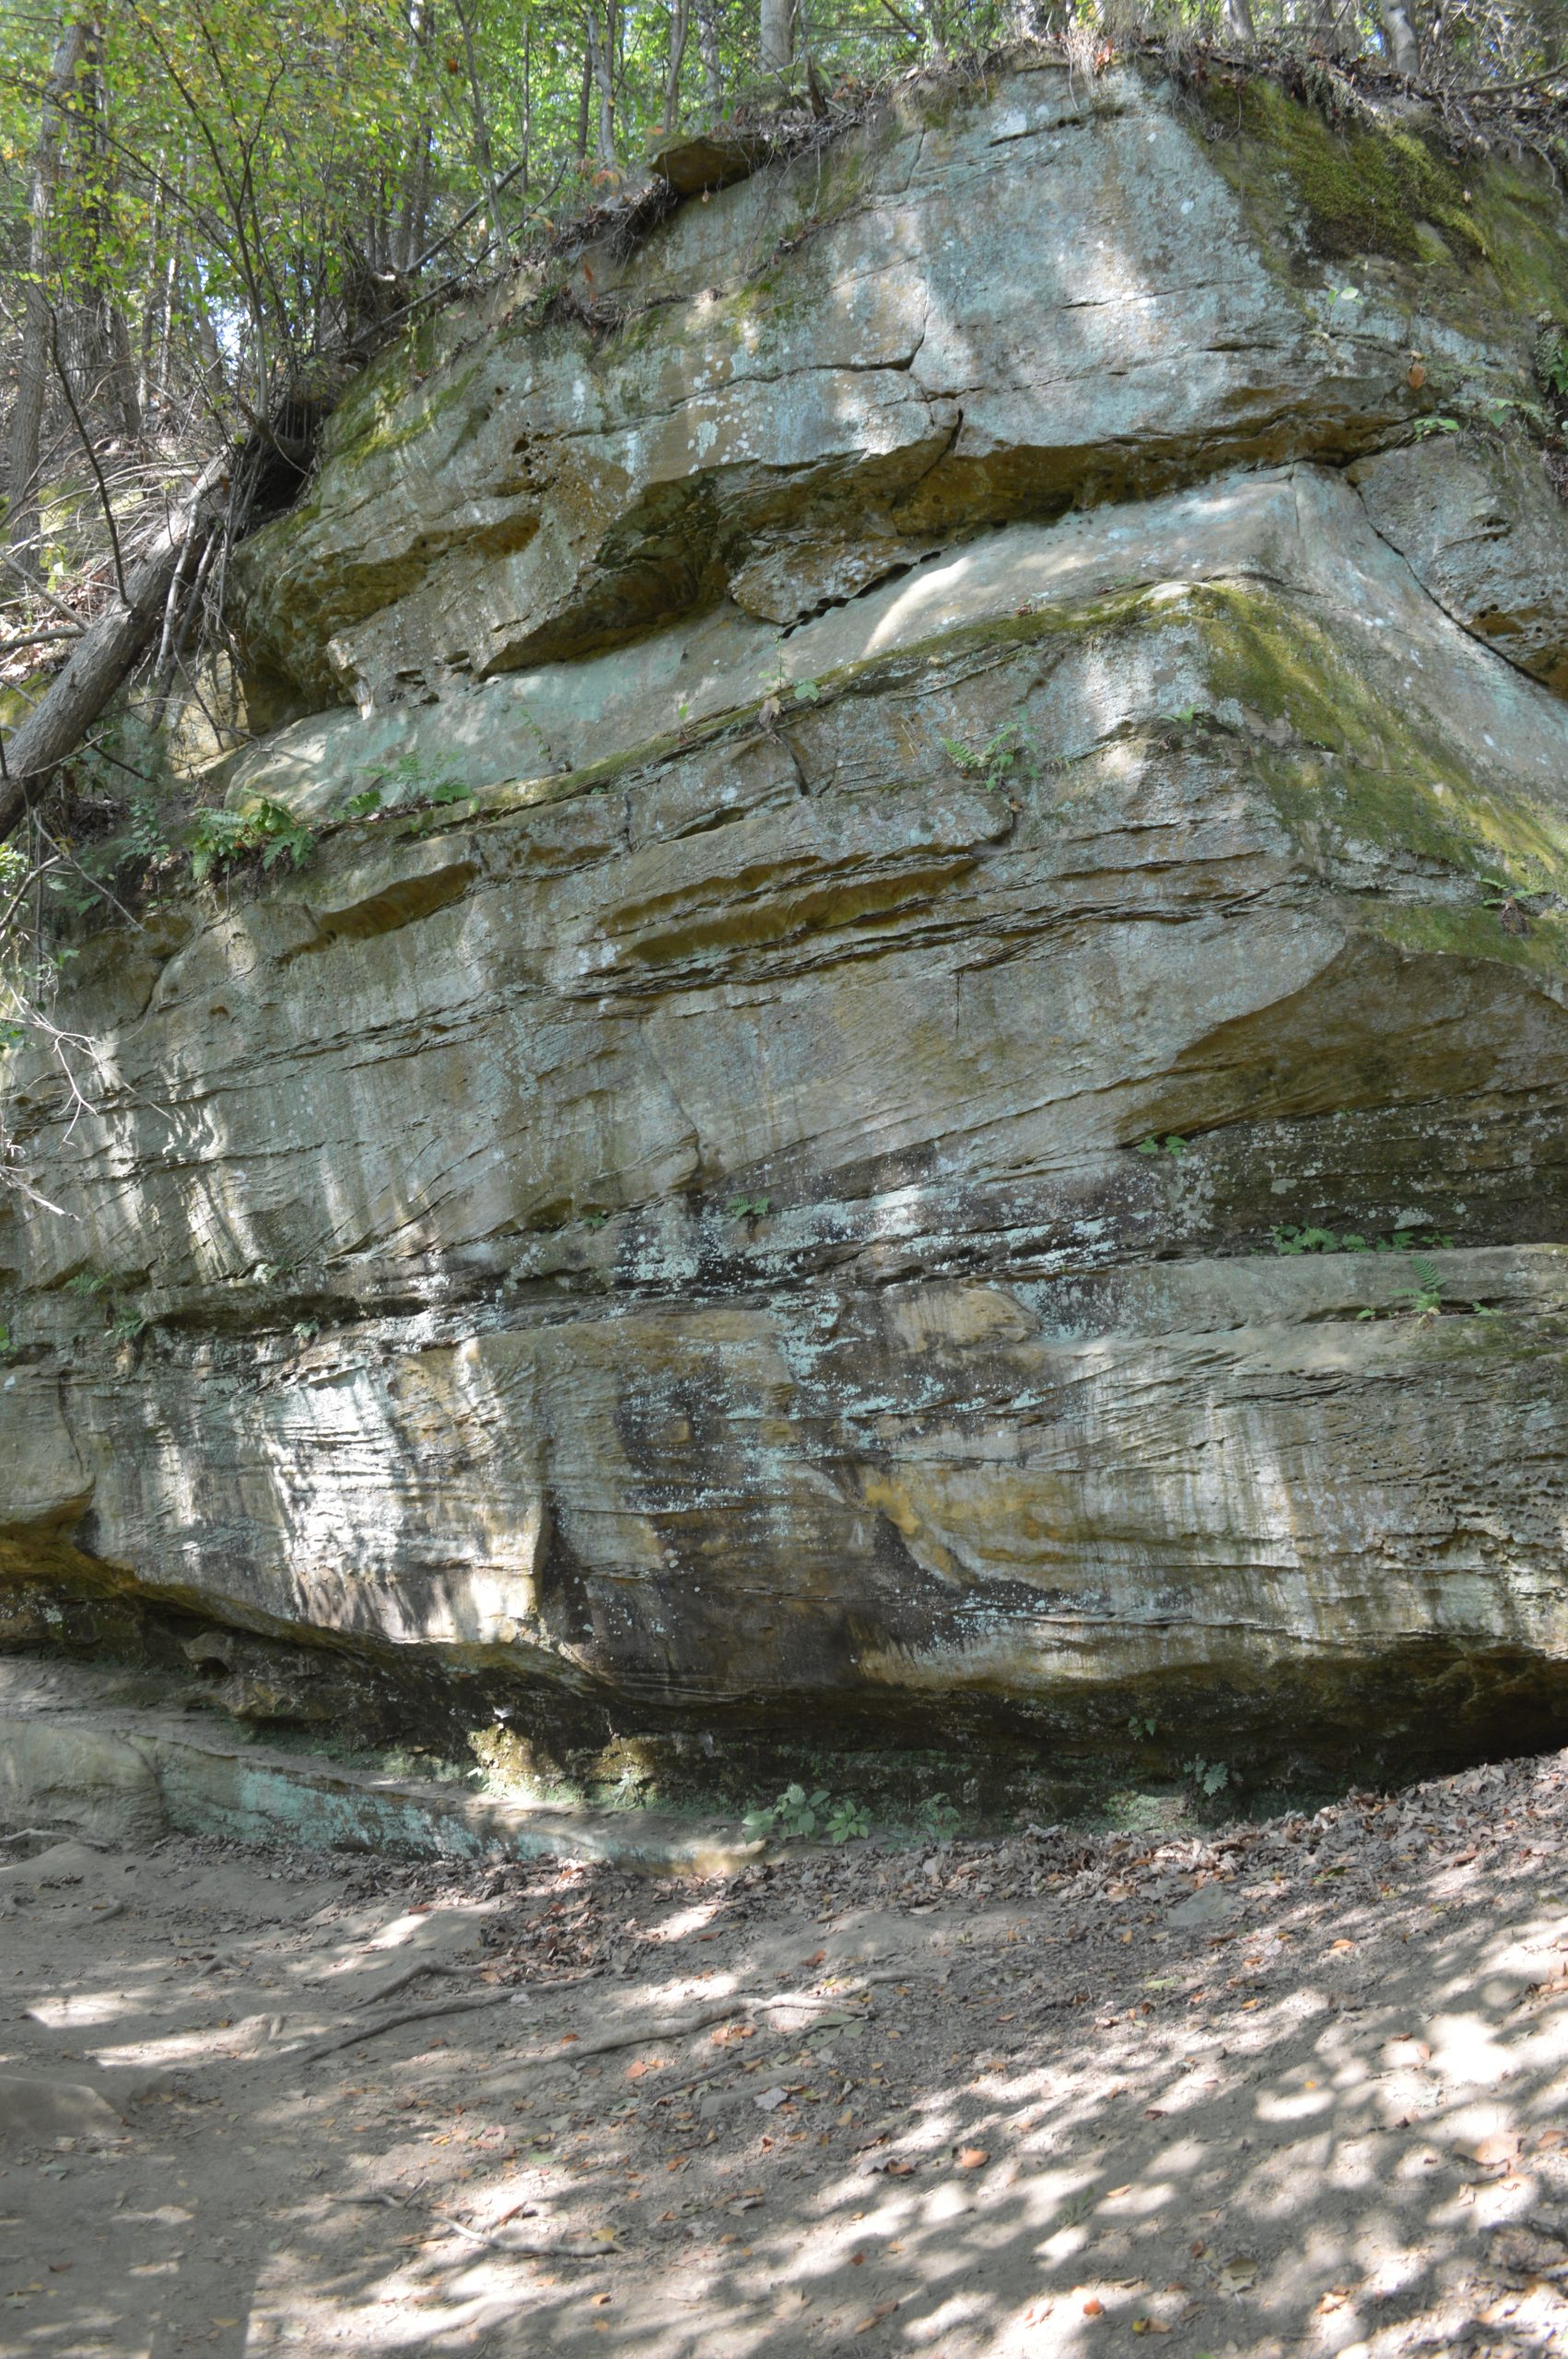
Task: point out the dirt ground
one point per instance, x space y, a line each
1299 2086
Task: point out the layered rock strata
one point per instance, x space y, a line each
923 850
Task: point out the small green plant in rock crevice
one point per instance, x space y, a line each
1210 1778
1423 1300
797 1816
1175 1146
121 1323
219 837
1287 1239
747 1207
428 812
1010 752
1553 368
89 1283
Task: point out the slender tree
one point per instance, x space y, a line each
778 42
25 523
1400 37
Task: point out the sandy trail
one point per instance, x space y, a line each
1300 2086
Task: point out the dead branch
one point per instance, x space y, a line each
107 650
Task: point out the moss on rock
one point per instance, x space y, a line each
1486 227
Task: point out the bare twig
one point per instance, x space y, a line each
39 638
38 590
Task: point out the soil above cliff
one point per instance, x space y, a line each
1297 2085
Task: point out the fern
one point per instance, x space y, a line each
218 838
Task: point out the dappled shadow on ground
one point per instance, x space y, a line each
1300 2085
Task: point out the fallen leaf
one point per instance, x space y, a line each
1237 2275
1093 2307
1342 1945
973 2158
1415 376
769 2100
875 2318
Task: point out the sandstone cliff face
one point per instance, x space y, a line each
968 773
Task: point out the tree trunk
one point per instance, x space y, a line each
526 126
114 334
778 35
583 96
1399 37
23 526
599 66
678 22
105 653
122 373
1238 20
481 154
708 48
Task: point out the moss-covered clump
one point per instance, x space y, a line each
1362 190
1390 191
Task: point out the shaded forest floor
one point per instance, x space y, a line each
1300 2085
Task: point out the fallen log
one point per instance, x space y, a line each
106 651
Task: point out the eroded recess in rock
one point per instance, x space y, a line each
995 802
